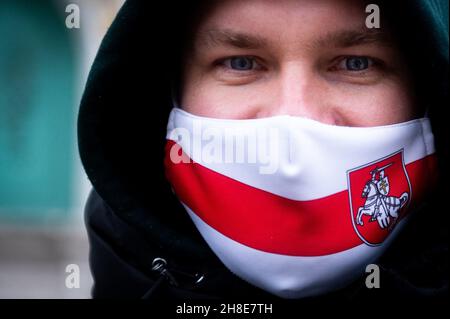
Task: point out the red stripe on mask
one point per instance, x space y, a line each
272 223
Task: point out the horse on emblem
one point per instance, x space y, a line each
379 205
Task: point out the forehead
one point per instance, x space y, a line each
258 23
281 11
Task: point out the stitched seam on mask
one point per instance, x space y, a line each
426 147
424 139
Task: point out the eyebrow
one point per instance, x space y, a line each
349 38
228 37
340 39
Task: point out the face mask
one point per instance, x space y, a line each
294 206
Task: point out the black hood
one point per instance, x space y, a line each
123 118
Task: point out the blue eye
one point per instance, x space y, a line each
240 63
357 63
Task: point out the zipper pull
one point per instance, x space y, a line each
194 279
160 265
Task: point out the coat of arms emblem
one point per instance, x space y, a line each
378 193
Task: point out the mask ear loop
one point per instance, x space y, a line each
174 96
427 112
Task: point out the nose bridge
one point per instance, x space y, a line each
299 90
296 89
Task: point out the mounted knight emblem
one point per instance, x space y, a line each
384 191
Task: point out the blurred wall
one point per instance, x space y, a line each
44 66
36 112
43 188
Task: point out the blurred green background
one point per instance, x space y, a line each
37 159
43 69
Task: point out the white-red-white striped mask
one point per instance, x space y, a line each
294 206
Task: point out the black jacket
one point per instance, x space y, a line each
132 216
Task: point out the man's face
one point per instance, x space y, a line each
310 58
